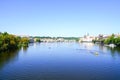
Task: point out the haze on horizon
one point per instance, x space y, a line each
59 17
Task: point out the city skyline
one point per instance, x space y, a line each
59 17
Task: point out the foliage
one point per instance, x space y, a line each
101 40
110 40
117 41
113 40
70 38
10 42
38 40
24 40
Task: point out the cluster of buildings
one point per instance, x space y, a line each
52 40
89 38
85 38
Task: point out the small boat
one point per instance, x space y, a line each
96 53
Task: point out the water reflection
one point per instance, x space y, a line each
24 49
61 61
87 45
114 51
97 49
102 48
7 57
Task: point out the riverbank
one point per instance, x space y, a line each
10 42
111 41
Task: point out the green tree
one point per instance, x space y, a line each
117 41
38 40
110 40
24 41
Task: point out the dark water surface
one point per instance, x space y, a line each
61 61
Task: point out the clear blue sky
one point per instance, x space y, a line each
60 17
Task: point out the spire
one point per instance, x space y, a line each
87 34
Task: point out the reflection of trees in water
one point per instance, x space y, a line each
25 49
114 51
102 48
7 57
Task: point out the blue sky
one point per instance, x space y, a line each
60 17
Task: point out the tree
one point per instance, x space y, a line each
113 40
10 42
117 41
110 40
24 41
38 40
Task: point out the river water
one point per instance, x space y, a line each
61 61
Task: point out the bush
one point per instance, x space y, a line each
10 42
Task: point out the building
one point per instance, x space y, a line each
87 38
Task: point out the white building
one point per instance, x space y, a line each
87 38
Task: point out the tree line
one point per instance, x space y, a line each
9 42
109 40
113 40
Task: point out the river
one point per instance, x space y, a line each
61 61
